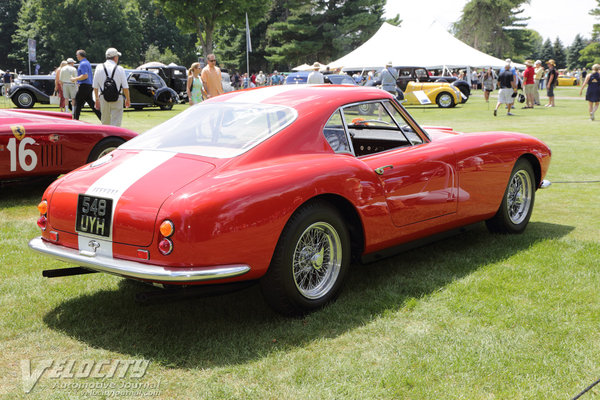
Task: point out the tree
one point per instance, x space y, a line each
322 30
536 43
596 31
9 12
490 25
162 36
166 57
590 55
62 27
230 42
560 55
573 54
525 44
204 17
547 51
396 21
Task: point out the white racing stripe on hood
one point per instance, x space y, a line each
113 184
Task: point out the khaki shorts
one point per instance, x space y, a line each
530 89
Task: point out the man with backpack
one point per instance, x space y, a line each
109 81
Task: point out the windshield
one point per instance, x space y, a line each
220 130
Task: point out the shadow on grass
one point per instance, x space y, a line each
239 327
23 192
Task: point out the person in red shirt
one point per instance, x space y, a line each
529 82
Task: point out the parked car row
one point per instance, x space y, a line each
410 92
146 89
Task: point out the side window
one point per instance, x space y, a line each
133 78
336 135
156 81
373 130
404 125
421 73
144 78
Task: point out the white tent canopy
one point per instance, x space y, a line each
415 45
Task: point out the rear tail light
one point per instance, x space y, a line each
42 221
43 207
165 245
167 228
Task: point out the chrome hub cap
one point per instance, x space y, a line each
518 198
317 260
445 100
106 151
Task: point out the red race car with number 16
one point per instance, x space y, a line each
48 143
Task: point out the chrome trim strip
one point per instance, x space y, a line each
136 270
545 184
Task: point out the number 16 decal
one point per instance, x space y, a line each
27 157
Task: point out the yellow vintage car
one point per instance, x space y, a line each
565 80
443 94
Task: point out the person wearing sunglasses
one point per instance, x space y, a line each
211 78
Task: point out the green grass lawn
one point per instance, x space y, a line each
476 316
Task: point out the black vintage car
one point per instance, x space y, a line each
146 89
175 76
30 89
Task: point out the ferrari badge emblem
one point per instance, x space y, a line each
18 131
53 138
94 245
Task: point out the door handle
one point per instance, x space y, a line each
379 171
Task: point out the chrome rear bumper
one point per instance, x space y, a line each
137 270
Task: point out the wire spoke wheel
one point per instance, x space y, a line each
317 260
519 197
310 262
517 203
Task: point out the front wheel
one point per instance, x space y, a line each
104 147
23 99
517 203
310 261
445 100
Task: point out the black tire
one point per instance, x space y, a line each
167 106
445 100
464 89
517 202
165 101
310 261
23 99
104 147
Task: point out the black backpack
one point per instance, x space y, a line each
110 91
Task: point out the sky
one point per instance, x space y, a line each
551 18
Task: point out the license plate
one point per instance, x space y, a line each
94 215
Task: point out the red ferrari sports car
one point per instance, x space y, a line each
39 143
284 185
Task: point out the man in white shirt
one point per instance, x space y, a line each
112 111
69 88
261 79
316 77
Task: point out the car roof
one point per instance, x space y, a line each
306 99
